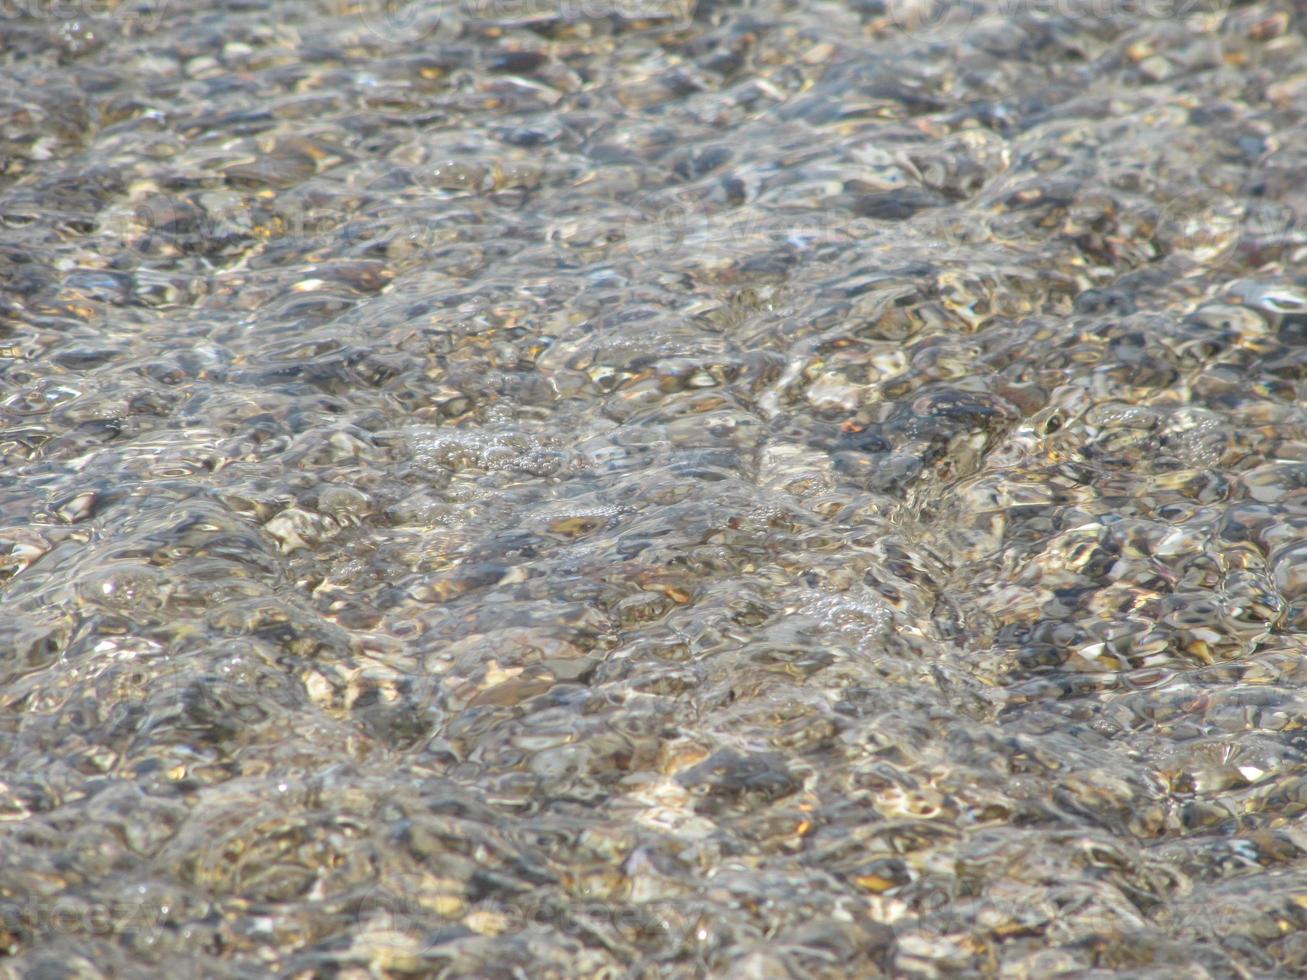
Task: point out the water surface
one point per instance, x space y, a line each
761 489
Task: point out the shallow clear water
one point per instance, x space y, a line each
757 489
